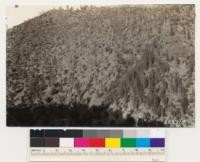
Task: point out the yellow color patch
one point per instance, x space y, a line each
112 142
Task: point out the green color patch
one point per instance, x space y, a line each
127 142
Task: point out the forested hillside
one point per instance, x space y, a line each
134 60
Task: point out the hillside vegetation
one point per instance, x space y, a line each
137 60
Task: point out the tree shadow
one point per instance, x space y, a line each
76 115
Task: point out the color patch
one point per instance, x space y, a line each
37 142
112 142
74 133
97 142
157 133
127 142
157 142
51 142
89 133
143 134
54 133
37 133
82 142
115 133
142 142
129 133
102 133
66 142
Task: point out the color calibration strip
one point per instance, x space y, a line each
94 138
97 142
90 145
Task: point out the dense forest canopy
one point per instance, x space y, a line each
138 60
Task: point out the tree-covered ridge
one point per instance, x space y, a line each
136 59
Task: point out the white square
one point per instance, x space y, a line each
158 133
66 142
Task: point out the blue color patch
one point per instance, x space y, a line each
142 142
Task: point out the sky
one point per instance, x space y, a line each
17 15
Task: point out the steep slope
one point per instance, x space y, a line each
136 60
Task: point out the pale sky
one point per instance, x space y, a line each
20 14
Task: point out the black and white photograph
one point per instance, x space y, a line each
101 66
